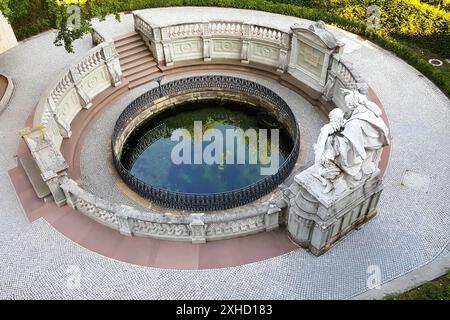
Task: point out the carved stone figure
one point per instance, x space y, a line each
326 150
349 150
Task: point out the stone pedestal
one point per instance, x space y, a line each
7 37
317 220
49 160
197 229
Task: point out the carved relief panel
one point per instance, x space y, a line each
264 53
97 81
310 58
187 49
226 48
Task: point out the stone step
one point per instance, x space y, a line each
34 176
123 89
134 57
130 65
150 67
124 42
126 36
134 51
144 80
124 49
142 74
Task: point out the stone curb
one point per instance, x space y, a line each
8 93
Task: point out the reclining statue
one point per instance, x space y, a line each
348 149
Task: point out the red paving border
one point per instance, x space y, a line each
146 251
138 250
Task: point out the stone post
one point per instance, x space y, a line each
271 219
167 48
158 50
66 185
282 65
245 43
52 179
63 127
125 223
198 229
85 101
49 160
111 57
206 36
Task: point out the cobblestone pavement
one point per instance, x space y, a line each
411 229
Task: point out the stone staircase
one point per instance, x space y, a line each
136 60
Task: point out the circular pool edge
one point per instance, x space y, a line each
141 109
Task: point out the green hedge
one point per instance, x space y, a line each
424 25
27 17
438 289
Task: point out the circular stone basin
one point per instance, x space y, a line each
206 143
147 153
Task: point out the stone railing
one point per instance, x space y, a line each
195 228
342 76
216 39
98 37
309 51
75 89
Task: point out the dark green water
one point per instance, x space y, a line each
147 152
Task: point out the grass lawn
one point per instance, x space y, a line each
438 289
444 70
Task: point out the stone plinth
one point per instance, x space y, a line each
49 160
317 220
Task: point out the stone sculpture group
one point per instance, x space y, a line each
349 147
342 189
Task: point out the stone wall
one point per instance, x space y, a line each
7 37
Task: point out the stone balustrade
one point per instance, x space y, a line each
215 40
98 37
195 228
308 51
75 89
342 76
